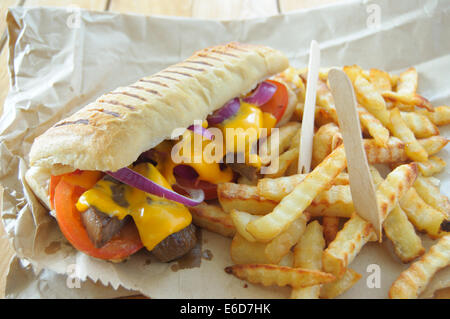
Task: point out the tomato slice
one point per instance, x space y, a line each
125 243
278 103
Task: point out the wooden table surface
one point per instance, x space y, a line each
215 9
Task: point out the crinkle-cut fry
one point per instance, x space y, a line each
440 116
431 195
324 99
408 81
244 198
309 249
293 205
338 287
347 244
334 202
408 99
398 127
243 251
284 160
419 124
308 255
330 228
381 80
212 218
392 152
268 275
433 165
282 244
407 244
323 116
368 96
240 221
394 187
423 216
277 188
433 144
278 143
326 137
375 128
406 90
413 281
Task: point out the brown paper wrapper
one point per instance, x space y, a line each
62 59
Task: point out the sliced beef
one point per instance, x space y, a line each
100 226
250 172
176 245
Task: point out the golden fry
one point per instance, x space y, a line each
330 228
347 244
440 116
282 244
243 198
338 287
335 202
413 148
269 275
413 281
433 144
325 140
292 206
433 165
423 216
394 187
212 218
240 221
375 128
431 195
419 124
308 255
244 252
407 245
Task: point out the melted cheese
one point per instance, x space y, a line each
155 217
243 130
208 169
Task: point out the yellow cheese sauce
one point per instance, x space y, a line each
247 124
155 217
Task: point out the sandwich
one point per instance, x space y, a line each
116 177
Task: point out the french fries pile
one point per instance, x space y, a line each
302 231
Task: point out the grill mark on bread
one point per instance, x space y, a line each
80 121
198 62
145 89
191 68
225 53
117 103
176 72
130 95
206 56
154 82
165 77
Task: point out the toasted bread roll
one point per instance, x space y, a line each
111 132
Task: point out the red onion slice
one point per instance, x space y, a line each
226 111
136 180
202 131
262 94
